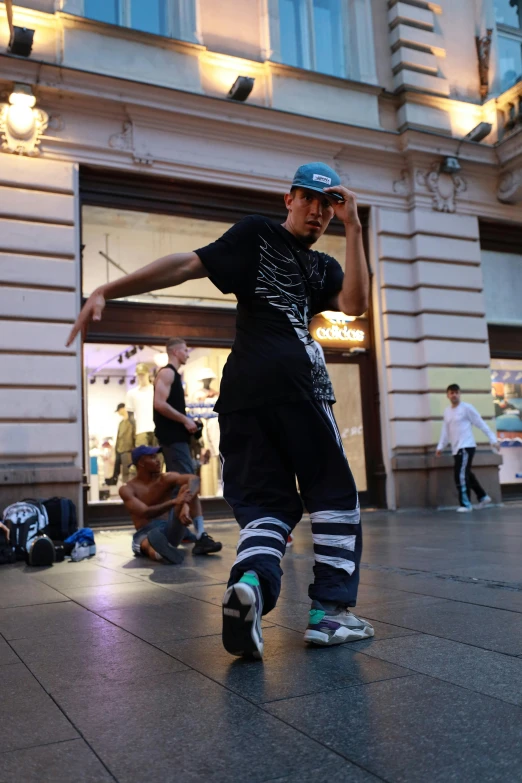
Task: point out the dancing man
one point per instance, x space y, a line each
275 403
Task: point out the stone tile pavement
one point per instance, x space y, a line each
112 669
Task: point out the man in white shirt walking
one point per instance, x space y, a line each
456 430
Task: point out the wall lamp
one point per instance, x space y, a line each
21 38
241 88
21 124
451 164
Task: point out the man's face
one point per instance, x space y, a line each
182 353
122 412
309 214
151 463
454 397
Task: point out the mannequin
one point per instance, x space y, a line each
124 446
206 376
140 402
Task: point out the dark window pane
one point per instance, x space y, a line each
149 16
510 57
328 32
102 10
291 32
509 12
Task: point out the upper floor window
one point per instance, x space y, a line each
171 18
509 25
334 37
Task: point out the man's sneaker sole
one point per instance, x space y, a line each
240 634
341 636
217 546
160 544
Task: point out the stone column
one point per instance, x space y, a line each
434 333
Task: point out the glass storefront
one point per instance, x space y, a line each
117 376
506 389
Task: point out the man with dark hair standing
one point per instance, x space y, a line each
275 404
173 429
459 418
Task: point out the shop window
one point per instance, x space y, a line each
171 18
348 414
118 241
328 36
114 376
506 389
508 15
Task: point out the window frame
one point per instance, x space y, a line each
506 31
358 41
182 22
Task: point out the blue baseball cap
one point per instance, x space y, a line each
317 176
143 451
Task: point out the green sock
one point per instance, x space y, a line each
250 577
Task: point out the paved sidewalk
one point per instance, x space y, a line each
112 668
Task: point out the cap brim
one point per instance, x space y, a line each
333 196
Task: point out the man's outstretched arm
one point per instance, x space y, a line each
163 273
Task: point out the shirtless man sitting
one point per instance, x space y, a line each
148 497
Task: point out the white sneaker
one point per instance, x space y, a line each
337 626
465 509
486 500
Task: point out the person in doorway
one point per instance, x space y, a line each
459 417
160 520
275 403
173 429
124 446
140 403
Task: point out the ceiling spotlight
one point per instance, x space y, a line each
120 359
133 381
140 347
134 351
127 355
92 380
241 88
106 381
122 381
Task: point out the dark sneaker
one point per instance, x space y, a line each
242 610
206 545
160 544
328 627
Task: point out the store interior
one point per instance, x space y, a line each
506 390
111 379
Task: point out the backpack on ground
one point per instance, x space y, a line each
40 552
63 521
25 519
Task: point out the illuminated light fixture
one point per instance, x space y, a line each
337 318
21 38
132 381
161 359
92 380
106 381
241 88
122 381
21 124
451 164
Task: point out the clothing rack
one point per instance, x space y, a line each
201 410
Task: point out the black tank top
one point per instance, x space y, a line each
168 431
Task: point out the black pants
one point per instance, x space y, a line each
263 451
465 480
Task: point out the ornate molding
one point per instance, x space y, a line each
123 141
402 186
483 44
509 189
444 188
21 129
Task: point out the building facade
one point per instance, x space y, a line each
119 143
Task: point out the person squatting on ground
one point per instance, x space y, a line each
275 403
173 429
148 498
457 431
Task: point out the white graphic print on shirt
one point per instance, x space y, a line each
283 282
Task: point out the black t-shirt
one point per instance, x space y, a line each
279 284
166 430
